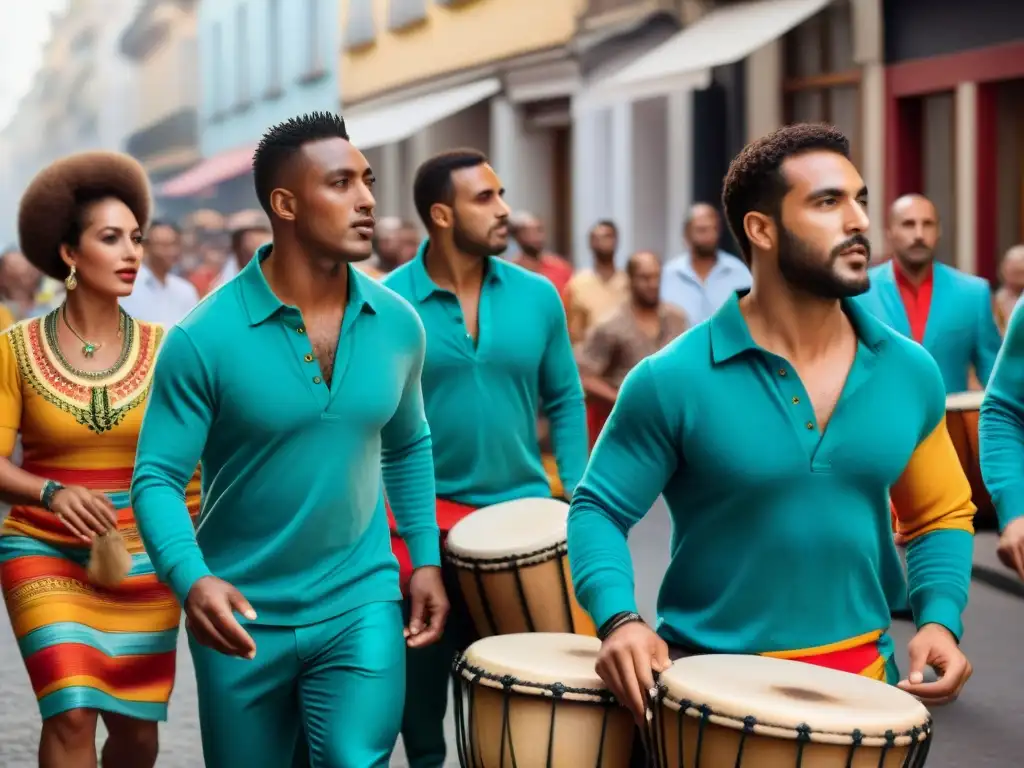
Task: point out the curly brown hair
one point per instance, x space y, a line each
53 209
755 181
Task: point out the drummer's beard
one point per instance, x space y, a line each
807 271
474 246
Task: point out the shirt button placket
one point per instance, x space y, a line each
795 400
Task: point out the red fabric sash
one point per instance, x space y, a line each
855 660
598 412
448 514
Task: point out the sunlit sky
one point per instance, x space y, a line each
24 28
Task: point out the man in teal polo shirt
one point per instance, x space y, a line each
497 349
775 431
297 384
1001 432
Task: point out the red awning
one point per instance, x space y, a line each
209 173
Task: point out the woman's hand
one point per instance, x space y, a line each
85 513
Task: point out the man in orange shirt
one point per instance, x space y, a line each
592 294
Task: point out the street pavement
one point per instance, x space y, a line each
982 730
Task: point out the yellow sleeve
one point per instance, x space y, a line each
10 396
933 492
6 317
575 313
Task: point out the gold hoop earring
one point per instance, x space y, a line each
71 282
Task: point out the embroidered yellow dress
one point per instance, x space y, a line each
84 646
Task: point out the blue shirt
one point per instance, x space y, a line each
292 510
781 532
700 299
482 398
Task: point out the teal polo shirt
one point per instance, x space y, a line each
1001 427
292 506
482 399
781 533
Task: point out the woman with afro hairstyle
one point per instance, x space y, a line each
74 383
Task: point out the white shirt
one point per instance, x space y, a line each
700 299
155 302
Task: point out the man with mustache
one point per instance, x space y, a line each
774 432
498 352
947 311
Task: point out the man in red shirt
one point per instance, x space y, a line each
945 310
528 232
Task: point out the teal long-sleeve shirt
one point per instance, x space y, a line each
482 398
781 532
1001 426
292 505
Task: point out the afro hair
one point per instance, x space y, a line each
755 181
52 208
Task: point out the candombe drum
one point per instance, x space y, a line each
720 711
962 412
513 569
534 701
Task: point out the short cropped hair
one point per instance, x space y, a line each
166 225
606 223
282 142
755 181
52 210
239 234
433 182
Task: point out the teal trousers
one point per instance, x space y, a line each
428 681
339 684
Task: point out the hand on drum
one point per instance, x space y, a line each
1011 546
429 609
628 659
934 646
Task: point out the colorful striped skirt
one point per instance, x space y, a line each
86 646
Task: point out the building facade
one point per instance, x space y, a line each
260 62
420 76
160 40
954 121
672 119
82 97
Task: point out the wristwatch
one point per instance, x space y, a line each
50 488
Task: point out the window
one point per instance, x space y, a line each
405 13
241 57
315 61
360 30
273 48
822 82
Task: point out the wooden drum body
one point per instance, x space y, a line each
962 413
720 711
534 701
513 569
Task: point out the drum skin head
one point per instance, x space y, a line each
787 694
964 401
547 658
510 528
